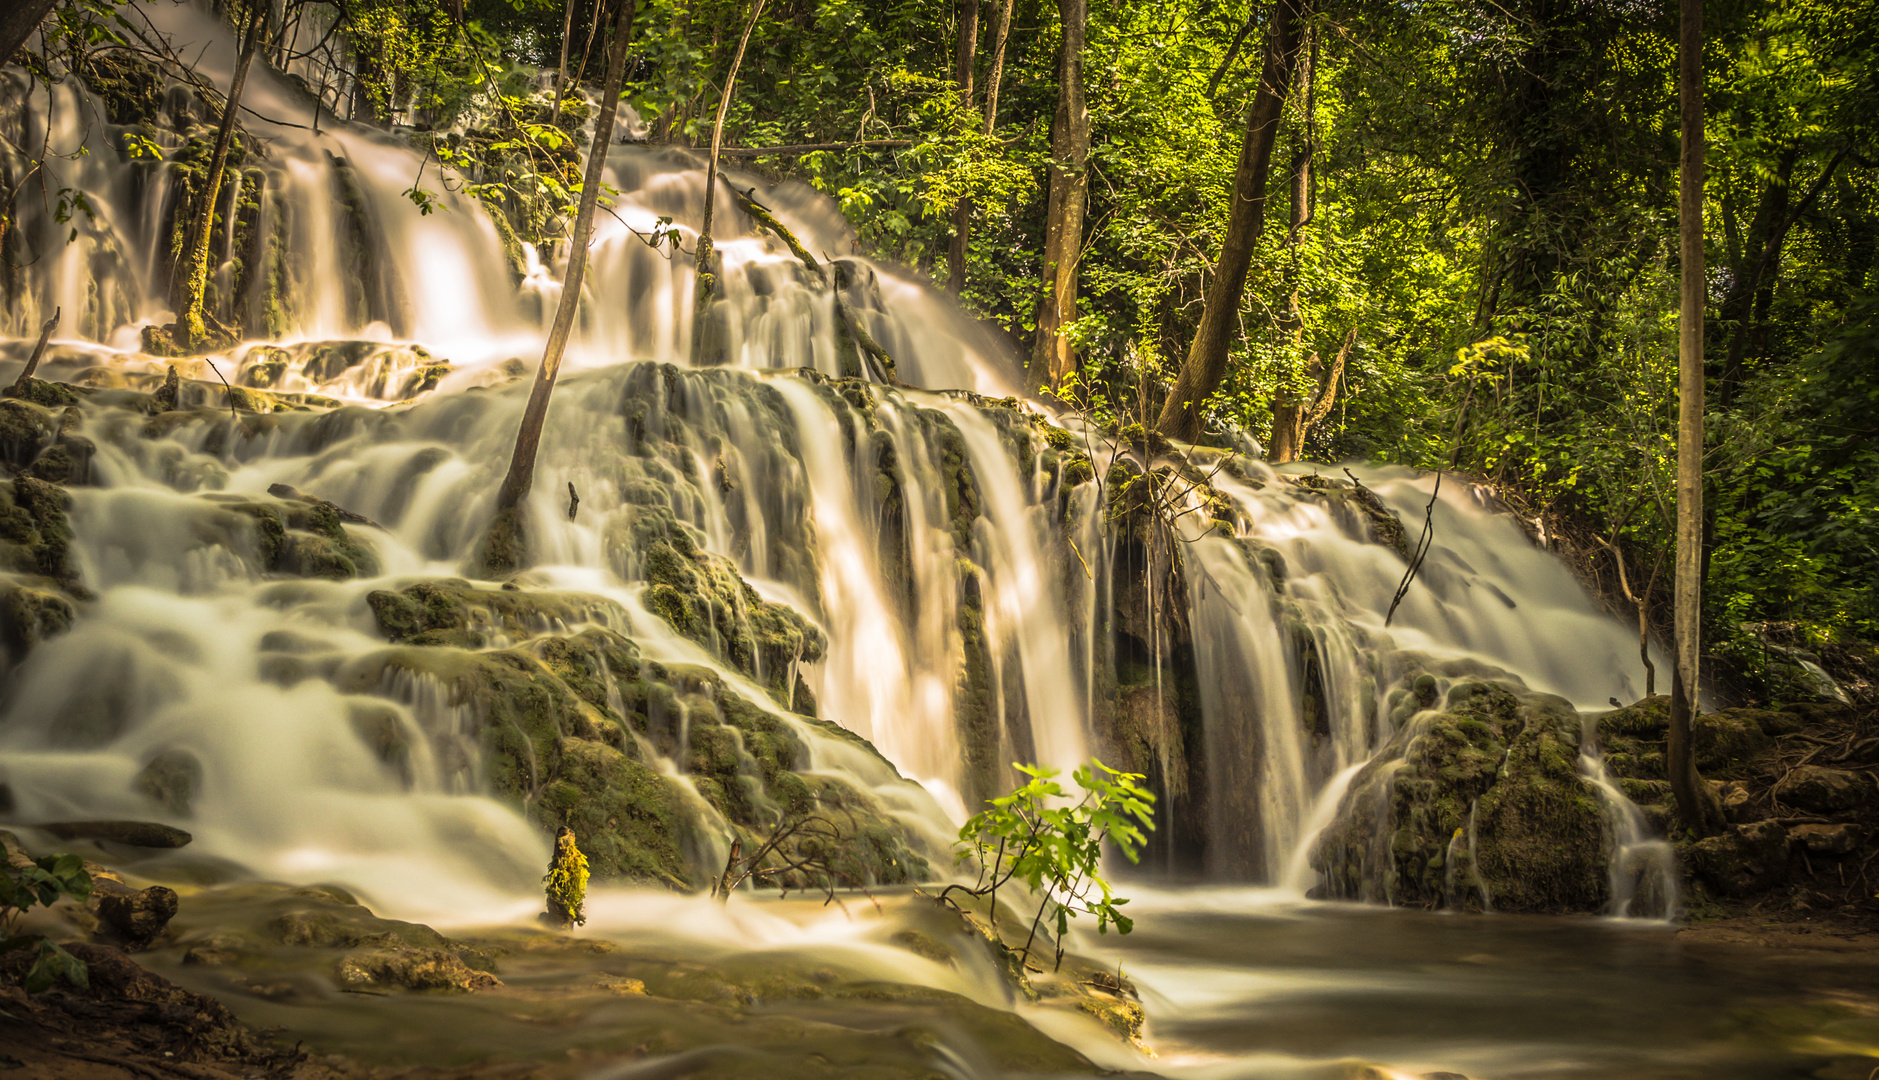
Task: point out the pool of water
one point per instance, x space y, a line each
1237 985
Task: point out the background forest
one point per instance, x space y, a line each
1468 260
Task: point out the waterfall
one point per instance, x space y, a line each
768 560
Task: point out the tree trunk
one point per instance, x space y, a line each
1292 422
1751 292
1288 412
193 280
706 338
1051 356
963 63
1206 364
18 22
1698 807
502 547
561 73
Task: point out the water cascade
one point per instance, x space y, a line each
246 614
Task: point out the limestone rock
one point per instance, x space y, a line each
1744 860
171 780
148 834
410 969
1823 790
1832 840
138 916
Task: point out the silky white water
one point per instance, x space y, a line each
192 644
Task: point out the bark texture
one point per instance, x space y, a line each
521 476
1051 356
17 23
1698 807
193 280
1206 364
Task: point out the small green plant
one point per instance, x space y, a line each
1040 836
42 883
567 881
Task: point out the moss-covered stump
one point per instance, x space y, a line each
574 727
1483 795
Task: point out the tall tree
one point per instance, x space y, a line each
1292 416
1051 356
1698 807
1206 364
192 279
502 548
18 22
964 61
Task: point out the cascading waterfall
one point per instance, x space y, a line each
962 594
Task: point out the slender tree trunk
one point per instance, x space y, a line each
995 74
193 280
1206 364
963 63
705 336
502 548
962 214
1051 356
1695 803
1752 291
18 22
561 73
1288 409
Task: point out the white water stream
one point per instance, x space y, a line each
191 644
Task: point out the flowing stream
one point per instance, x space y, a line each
977 606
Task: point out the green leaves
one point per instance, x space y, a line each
1037 835
43 883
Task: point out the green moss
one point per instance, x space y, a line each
566 881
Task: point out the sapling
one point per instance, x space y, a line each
42 883
1055 846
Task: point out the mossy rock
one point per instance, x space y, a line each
455 612
28 616
35 537
1485 796
702 597
292 537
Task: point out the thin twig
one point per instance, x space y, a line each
1423 544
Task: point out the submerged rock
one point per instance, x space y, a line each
140 915
410 969
148 834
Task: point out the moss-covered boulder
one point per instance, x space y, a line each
1744 860
575 728
29 614
702 597
454 612
35 537
1480 801
291 537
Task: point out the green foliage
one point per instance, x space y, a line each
42 883
1037 835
